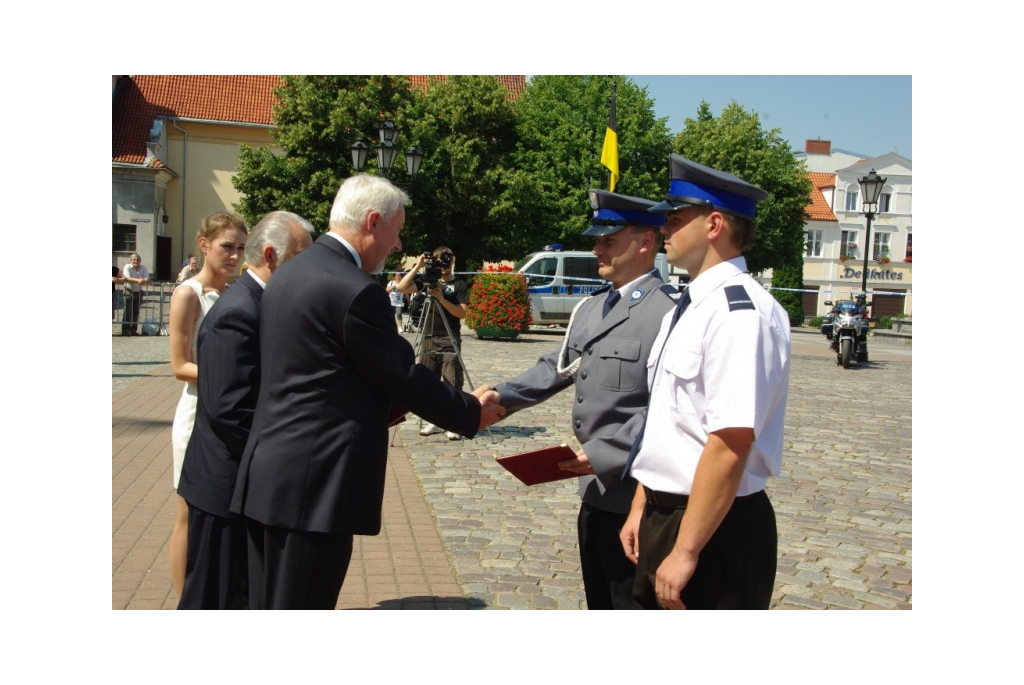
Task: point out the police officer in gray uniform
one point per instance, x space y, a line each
604 354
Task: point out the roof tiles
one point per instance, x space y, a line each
819 209
231 99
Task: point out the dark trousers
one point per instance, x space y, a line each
216 563
736 568
607 573
440 355
132 310
295 569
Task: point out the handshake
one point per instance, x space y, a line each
490 407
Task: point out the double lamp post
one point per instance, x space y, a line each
386 153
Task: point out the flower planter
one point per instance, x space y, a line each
496 333
499 305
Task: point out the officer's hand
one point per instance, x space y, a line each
629 538
671 578
580 465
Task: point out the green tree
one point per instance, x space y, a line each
562 122
735 142
317 119
466 128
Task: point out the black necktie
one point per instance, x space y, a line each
610 301
684 302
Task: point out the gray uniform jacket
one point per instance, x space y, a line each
611 383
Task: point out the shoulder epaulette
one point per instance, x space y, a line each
738 298
669 290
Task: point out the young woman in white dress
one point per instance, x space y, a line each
221 242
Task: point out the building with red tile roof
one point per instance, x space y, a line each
835 229
175 142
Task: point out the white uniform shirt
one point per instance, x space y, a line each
725 365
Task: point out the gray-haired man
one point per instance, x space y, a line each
216 574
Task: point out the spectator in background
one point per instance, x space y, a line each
115 280
135 276
397 298
190 269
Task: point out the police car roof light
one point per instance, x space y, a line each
557 247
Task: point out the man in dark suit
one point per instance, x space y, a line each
216 572
312 474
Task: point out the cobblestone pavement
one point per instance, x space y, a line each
843 500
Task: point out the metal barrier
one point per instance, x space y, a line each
154 311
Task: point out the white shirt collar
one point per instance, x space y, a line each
347 244
256 278
710 280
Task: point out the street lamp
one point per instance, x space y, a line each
386 152
870 189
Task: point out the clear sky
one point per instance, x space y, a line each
868 115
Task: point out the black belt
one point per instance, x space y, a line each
675 501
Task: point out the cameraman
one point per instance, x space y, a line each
438 351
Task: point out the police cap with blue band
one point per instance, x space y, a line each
613 212
697 185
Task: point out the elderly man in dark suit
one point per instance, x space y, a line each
604 357
216 573
312 474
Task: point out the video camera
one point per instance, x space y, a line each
434 266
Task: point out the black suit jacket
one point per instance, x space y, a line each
332 365
228 385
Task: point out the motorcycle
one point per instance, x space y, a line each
846 328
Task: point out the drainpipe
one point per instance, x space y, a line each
184 187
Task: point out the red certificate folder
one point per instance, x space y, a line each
539 466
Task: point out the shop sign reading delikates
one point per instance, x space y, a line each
874 274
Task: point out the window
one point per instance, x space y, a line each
910 250
880 246
124 238
813 243
848 244
542 271
884 201
851 200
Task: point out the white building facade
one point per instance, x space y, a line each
837 245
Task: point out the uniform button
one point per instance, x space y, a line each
590 350
583 375
579 399
616 350
579 424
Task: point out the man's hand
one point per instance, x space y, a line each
671 578
490 406
580 465
629 535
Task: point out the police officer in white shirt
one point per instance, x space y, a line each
701 528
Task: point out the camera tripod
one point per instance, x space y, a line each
426 319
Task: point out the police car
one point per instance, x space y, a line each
557 279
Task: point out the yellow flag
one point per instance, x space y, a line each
610 151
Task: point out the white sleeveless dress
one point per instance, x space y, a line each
185 414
